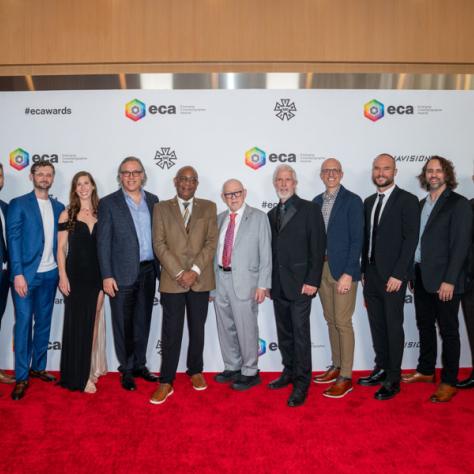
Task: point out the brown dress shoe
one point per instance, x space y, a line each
6 378
19 390
444 393
339 389
199 382
329 376
160 395
42 375
417 377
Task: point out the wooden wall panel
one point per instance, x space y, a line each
44 36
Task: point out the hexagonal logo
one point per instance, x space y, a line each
19 159
135 110
255 158
374 110
262 347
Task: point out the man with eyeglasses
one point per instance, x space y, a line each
243 266
129 268
185 240
343 214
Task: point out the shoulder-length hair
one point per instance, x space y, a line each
448 170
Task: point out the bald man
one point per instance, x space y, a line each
343 214
243 266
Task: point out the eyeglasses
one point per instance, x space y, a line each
187 179
330 171
134 173
235 194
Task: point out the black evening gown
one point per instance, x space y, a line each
82 268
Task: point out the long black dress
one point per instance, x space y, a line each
82 268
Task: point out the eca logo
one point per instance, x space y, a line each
19 159
255 158
375 110
136 109
262 347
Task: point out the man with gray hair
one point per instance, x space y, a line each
243 266
298 245
129 268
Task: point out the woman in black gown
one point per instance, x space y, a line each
80 282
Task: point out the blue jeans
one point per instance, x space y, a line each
31 349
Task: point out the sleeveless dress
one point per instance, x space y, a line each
82 268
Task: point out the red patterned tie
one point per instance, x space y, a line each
228 241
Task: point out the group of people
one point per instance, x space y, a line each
123 243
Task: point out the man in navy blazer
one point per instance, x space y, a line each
4 280
129 268
32 229
343 214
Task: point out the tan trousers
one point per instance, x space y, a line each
338 310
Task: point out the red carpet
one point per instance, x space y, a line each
219 430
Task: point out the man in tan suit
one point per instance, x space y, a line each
185 240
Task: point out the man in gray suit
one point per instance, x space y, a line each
243 274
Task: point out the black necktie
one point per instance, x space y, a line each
3 246
280 216
375 226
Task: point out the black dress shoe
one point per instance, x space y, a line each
128 383
387 391
227 376
19 390
466 383
297 397
42 375
283 381
244 382
145 374
375 378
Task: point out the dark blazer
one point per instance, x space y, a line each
117 242
4 207
445 242
25 235
298 249
397 235
345 233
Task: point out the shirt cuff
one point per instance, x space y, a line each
196 269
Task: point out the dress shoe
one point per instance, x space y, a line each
128 383
444 393
297 397
145 374
42 375
198 381
227 376
387 391
6 378
19 390
283 381
339 389
329 376
244 382
375 378
466 383
417 377
160 395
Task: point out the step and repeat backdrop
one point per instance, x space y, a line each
241 134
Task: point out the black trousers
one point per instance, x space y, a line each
294 338
467 303
385 311
4 287
195 304
131 308
429 310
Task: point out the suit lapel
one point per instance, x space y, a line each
242 225
438 206
290 213
337 204
391 200
176 211
123 207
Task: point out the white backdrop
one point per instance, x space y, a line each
212 131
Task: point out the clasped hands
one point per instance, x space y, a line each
187 279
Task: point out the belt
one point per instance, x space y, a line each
225 269
325 258
145 263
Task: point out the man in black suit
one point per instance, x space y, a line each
391 232
440 274
298 245
129 268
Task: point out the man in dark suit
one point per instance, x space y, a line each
391 232
4 280
343 214
129 268
298 244
185 240
32 230
440 274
